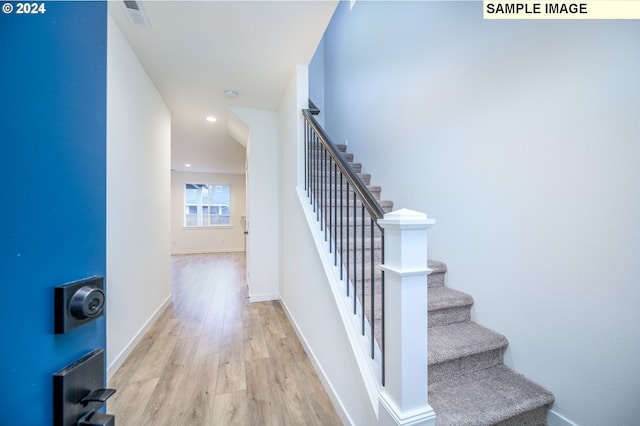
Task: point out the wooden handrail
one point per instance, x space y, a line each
368 200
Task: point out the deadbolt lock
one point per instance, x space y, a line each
78 303
86 302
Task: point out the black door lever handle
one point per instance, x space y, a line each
98 395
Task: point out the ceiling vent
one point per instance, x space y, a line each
135 13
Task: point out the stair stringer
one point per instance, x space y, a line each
356 341
370 370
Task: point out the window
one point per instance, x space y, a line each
207 205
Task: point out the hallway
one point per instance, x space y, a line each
212 358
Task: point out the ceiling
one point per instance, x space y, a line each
195 50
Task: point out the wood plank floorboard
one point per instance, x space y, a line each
213 358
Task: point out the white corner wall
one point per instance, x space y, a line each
263 198
210 239
138 199
304 289
521 139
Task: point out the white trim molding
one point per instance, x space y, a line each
556 419
424 416
265 297
122 356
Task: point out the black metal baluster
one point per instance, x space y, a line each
306 153
316 182
349 227
324 194
362 254
382 361
335 215
314 175
355 261
341 224
373 287
322 186
313 171
330 204
322 163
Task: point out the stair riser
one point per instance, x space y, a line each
459 366
449 316
436 279
537 417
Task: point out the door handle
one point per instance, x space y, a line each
97 419
98 395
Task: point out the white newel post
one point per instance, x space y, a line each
405 395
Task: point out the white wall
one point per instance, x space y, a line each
304 288
209 239
263 195
521 139
138 199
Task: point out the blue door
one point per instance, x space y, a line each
52 191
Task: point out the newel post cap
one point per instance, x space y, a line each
406 217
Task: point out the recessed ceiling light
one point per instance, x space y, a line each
231 93
212 119
187 164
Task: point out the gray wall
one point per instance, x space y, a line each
521 139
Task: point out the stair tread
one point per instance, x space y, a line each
436 266
448 342
444 297
485 397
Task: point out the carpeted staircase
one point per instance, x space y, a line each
468 382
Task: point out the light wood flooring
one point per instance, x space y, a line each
213 358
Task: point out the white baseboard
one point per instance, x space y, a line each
355 341
208 251
265 297
331 392
122 356
555 419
